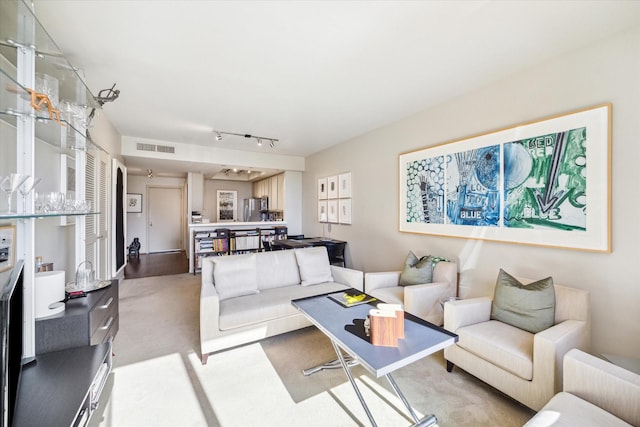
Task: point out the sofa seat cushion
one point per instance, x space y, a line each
567 410
391 295
503 345
268 305
276 269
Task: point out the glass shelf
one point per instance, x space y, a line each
49 58
11 96
14 215
47 130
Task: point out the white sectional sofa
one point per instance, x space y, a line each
245 298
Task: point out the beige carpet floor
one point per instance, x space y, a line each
158 379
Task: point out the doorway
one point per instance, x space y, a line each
165 219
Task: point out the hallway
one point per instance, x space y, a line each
156 264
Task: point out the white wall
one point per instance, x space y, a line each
605 72
137 222
210 195
104 134
293 201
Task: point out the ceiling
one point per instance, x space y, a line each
311 74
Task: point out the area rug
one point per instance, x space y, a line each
457 398
158 379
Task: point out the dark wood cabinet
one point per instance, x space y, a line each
62 388
73 360
85 321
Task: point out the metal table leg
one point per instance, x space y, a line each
353 383
346 362
428 420
334 364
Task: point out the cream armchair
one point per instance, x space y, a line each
525 366
420 300
595 393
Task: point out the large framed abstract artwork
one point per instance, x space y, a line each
227 209
545 182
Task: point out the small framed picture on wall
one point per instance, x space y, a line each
134 203
322 211
344 211
322 189
332 211
332 184
344 185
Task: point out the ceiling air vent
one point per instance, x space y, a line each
158 148
166 149
145 147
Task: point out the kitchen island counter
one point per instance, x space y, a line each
201 230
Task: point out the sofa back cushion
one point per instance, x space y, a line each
276 269
235 275
314 265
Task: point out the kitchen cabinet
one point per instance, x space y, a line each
273 193
280 205
273 188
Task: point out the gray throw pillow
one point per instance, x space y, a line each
416 270
531 307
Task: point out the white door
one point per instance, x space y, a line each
164 229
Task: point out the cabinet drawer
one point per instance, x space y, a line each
108 329
106 307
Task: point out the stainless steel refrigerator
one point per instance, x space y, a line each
256 209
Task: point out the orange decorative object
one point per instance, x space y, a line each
38 99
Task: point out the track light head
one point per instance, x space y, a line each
218 136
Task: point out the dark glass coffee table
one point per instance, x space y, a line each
345 328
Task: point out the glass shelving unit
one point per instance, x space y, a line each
12 215
26 49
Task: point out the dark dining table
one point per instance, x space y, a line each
335 248
305 243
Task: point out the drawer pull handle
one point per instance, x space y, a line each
108 323
109 301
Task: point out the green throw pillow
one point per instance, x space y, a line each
530 307
416 270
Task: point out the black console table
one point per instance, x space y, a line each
62 388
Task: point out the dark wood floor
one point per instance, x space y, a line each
157 264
